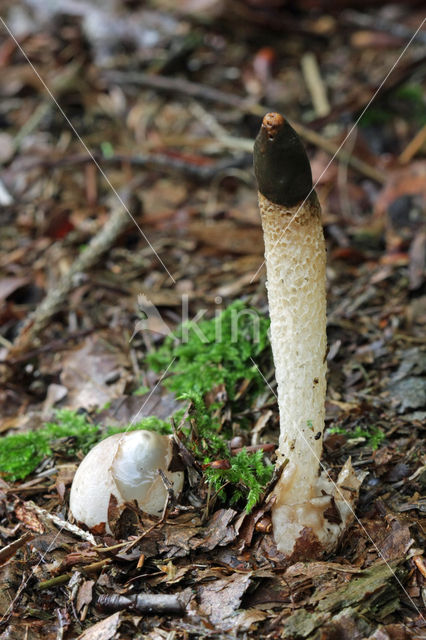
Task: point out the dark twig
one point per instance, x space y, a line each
178 85
376 23
64 577
267 447
56 298
155 161
203 92
145 603
7 552
359 96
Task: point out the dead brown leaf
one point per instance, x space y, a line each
220 599
228 237
97 371
219 531
407 180
397 542
85 594
103 630
28 517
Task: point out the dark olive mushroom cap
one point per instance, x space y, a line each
281 164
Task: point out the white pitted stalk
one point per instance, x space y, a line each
295 257
126 466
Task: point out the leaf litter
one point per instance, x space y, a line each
167 102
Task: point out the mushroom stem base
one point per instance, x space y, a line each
312 524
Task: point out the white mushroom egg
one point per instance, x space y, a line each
126 466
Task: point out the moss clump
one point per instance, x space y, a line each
248 476
372 434
151 423
21 453
218 351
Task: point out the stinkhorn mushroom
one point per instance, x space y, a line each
126 466
310 512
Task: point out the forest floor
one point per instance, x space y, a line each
129 204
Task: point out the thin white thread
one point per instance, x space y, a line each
345 139
86 148
347 504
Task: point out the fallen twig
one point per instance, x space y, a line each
376 23
267 447
156 161
53 345
64 577
413 146
203 92
7 552
53 582
359 96
56 298
62 524
67 79
315 84
420 564
147 603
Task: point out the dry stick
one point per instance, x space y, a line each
376 23
66 79
203 92
64 577
53 345
7 552
156 161
315 84
358 97
53 582
327 145
62 524
56 298
147 603
413 146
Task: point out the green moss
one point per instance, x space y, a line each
407 101
205 437
411 92
21 453
247 475
151 423
141 391
107 149
414 98
247 478
375 116
373 435
218 351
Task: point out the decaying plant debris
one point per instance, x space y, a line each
169 102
